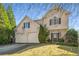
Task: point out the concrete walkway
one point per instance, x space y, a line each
11 48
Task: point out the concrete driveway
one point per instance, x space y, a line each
11 48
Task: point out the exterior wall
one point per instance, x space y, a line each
29 35
64 21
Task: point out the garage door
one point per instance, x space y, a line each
33 38
21 38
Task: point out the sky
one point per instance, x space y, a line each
37 10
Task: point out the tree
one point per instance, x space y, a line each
72 36
11 16
4 17
43 34
5 26
12 21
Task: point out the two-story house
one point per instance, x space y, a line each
56 21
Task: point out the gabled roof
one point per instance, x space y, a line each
39 21
23 20
56 7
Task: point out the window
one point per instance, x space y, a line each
50 22
55 21
56 35
27 25
59 20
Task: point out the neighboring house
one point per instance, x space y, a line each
56 21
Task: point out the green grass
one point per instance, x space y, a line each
47 50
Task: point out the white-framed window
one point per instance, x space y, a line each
54 21
26 25
59 21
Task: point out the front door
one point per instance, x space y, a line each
54 37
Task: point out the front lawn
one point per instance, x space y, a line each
47 50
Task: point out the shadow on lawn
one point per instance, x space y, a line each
70 48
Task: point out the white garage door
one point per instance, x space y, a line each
27 38
33 38
21 38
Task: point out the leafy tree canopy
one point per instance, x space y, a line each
11 16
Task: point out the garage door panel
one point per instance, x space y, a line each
33 38
21 38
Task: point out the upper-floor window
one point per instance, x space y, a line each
27 25
50 23
55 21
59 20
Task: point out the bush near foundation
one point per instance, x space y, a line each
43 34
71 37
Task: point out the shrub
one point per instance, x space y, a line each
71 37
61 40
43 34
48 41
